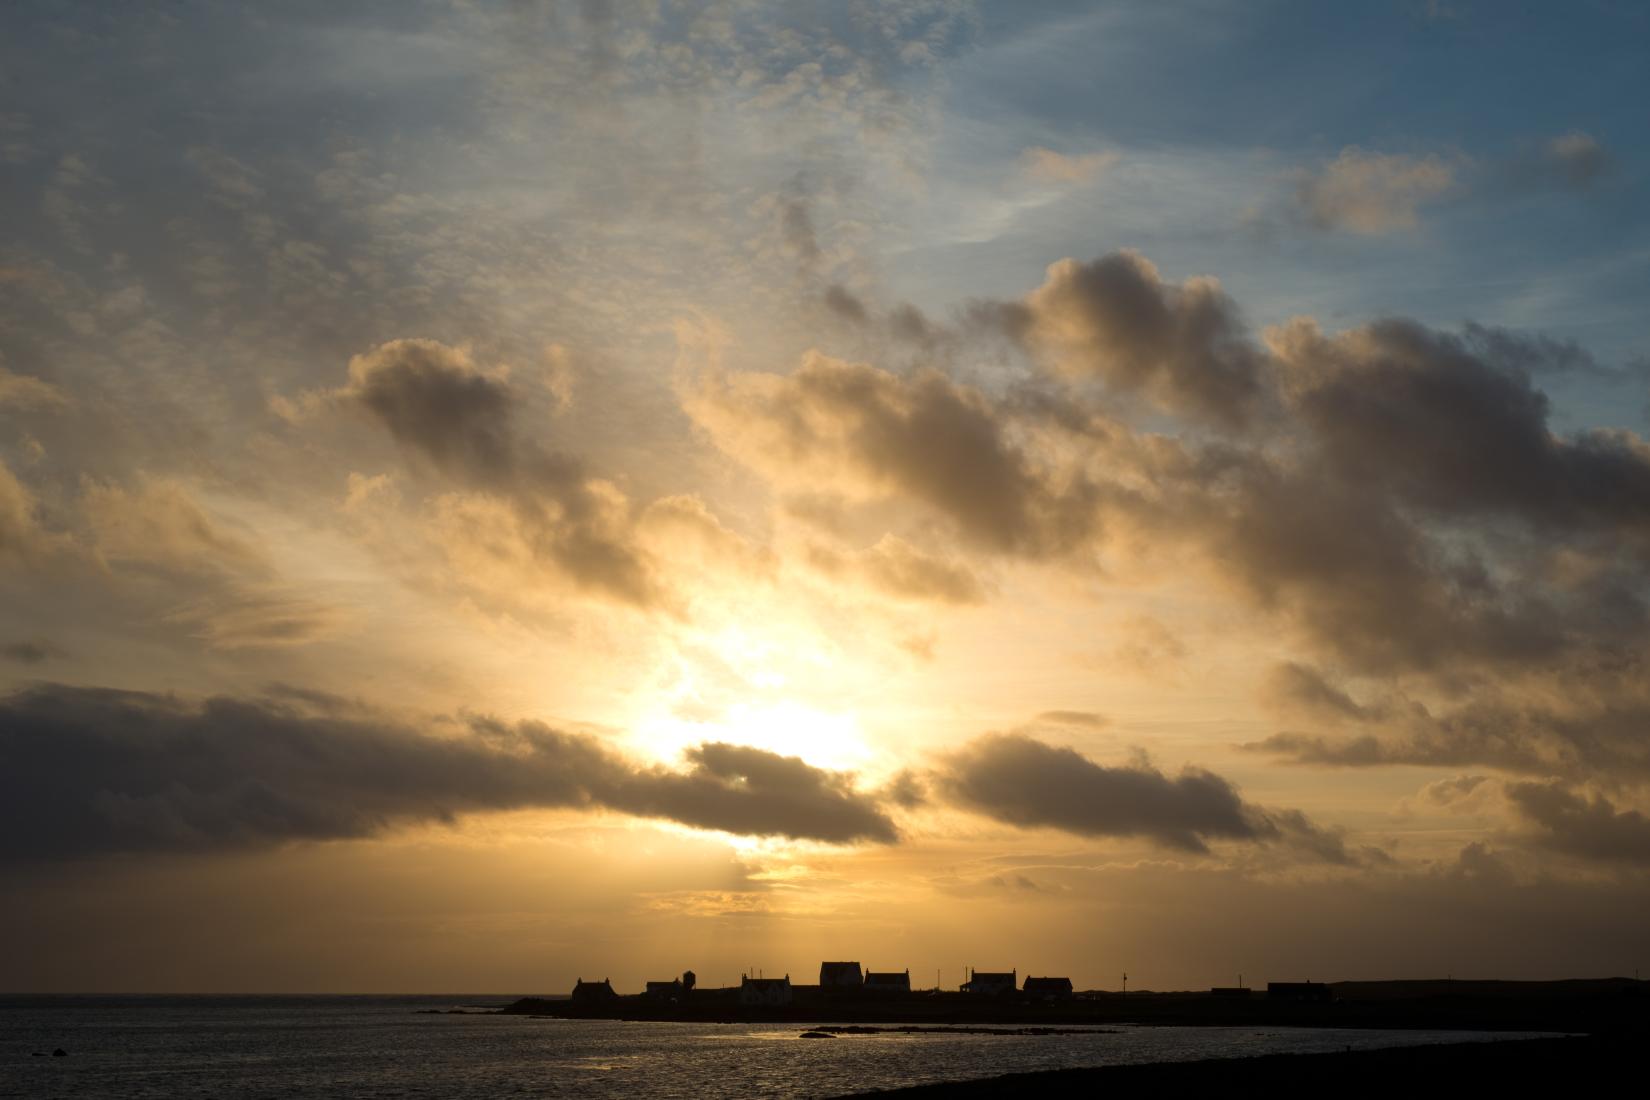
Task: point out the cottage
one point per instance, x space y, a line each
837 975
767 992
664 991
593 992
887 981
1299 991
1048 989
991 982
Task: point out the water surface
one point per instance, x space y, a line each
380 1047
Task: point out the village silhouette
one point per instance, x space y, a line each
847 992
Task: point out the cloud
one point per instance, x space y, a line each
1553 814
1148 647
1427 416
1394 493
1115 319
845 304
1529 353
460 422
862 433
1590 727
160 523
29 652
1372 193
1048 166
437 404
1030 784
26 392
1592 828
1082 719
249 616
897 568
1295 688
738 789
90 771
24 539
1575 159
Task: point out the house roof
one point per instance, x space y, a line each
766 983
887 976
1048 984
583 989
993 976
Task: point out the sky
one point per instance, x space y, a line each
497 493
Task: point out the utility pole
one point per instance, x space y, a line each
1125 983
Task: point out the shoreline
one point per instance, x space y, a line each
1520 1066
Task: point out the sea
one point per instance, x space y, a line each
390 1046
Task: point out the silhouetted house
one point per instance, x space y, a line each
838 975
1048 989
587 993
991 982
890 981
665 991
765 991
1299 991
1229 991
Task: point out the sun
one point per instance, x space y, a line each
787 727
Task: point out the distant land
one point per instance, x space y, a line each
1597 1006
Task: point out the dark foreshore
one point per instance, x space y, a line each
1514 1067
1601 1006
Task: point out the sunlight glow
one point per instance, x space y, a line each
825 740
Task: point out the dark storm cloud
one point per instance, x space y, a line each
1411 509
1030 784
439 407
86 771
1116 319
1363 582
738 789
1426 416
1592 828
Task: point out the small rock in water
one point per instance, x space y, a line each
60 1053
817 1035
